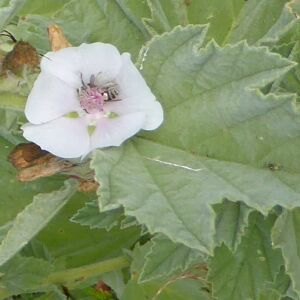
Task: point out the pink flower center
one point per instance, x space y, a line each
91 99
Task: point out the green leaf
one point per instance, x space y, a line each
283 285
286 236
230 20
209 107
135 12
4 229
181 289
243 274
10 127
33 218
148 199
102 21
262 21
12 101
91 216
115 280
33 29
8 9
22 274
166 258
86 21
165 15
53 295
183 286
69 244
291 81
37 249
42 7
77 245
269 295
231 222
221 15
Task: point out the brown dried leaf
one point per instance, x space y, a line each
88 185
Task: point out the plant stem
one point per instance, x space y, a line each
77 275
72 277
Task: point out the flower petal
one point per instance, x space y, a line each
69 64
65 64
152 109
136 95
130 80
113 132
63 137
99 59
49 99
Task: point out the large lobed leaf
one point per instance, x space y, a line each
209 100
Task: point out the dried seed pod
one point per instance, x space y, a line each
22 54
32 162
24 155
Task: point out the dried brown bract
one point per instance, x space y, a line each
32 162
23 54
57 38
88 186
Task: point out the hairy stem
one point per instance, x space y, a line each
72 277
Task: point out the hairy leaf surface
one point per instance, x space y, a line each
183 170
286 235
166 258
243 274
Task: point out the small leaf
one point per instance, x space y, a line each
37 249
283 285
165 15
231 222
33 218
243 274
221 15
191 286
261 20
286 236
166 258
91 216
115 280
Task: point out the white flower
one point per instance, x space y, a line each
88 97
